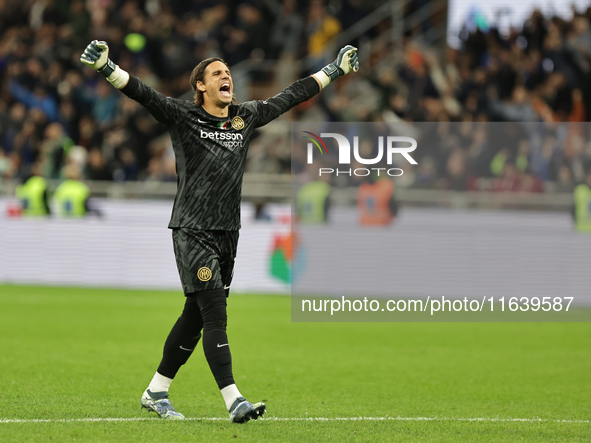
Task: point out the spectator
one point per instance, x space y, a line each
104 109
71 198
313 202
54 150
13 125
97 168
582 203
286 31
457 177
530 182
39 98
375 202
7 166
509 181
321 29
33 195
564 182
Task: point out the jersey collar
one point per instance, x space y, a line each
208 116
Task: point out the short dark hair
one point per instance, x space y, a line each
198 75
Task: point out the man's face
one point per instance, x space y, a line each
217 85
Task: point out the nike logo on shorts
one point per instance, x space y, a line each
221 346
185 349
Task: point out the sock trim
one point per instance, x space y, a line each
230 394
159 383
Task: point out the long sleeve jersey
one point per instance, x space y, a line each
211 151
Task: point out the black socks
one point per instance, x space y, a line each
205 310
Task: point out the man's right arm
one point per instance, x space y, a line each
164 109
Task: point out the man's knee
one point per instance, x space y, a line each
212 304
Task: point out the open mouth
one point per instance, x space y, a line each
225 90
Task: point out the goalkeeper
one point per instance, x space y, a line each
210 137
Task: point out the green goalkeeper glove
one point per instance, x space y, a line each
347 61
96 55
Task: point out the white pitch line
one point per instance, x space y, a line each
122 419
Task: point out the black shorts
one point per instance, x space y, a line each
205 259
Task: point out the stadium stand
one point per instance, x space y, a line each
54 112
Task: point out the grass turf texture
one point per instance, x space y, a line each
70 353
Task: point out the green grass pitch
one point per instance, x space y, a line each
71 353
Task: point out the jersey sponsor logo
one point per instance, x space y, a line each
237 123
230 140
204 274
214 135
232 144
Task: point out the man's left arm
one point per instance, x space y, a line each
304 89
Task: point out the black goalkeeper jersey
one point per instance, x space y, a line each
211 151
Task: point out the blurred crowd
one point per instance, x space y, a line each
55 112
539 73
